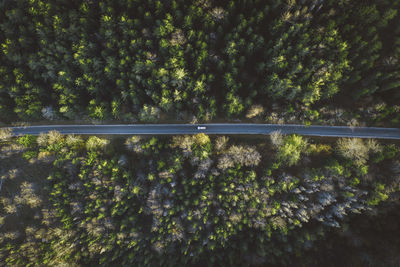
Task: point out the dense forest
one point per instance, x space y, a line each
199 200
307 61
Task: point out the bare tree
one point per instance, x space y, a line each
134 144
246 156
5 134
96 143
374 146
276 138
225 162
50 138
218 13
353 149
254 111
220 143
48 113
178 37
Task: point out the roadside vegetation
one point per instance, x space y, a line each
189 200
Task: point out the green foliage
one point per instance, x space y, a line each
379 195
27 140
30 155
290 151
149 114
191 200
186 200
103 60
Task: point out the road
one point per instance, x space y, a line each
225 128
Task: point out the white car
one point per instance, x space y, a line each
201 127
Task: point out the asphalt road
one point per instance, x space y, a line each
226 128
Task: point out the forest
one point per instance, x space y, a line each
305 61
199 200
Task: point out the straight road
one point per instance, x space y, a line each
217 128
